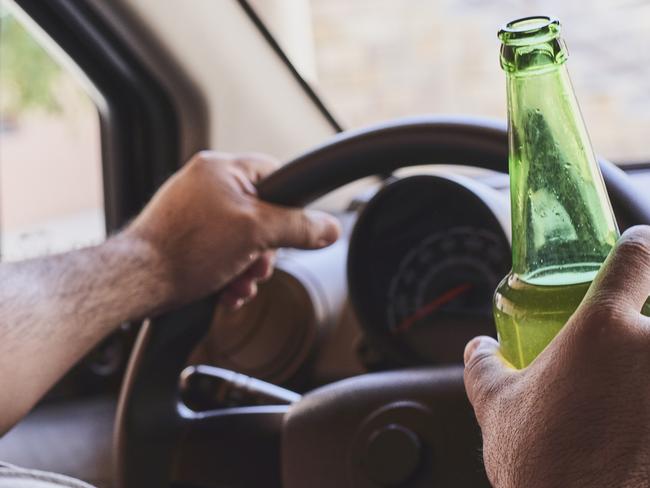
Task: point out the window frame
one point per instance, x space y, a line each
139 125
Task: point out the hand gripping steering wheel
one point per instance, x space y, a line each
397 428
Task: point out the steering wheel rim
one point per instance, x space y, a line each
151 419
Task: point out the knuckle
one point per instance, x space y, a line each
486 387
202 158
475 367
207 158
603 312
260 158
199 161
305 230
241 161
252 228
605 325
204 154
212 155
256 165
635 245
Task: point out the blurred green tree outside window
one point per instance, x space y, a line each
51 195
23 59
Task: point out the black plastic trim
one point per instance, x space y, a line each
308 89
634 166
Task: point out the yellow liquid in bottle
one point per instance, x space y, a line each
529 314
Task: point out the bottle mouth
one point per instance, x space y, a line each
530 30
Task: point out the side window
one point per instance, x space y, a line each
51 197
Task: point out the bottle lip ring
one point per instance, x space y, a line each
530 30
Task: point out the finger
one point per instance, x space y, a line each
624 280
244 288
485 370
252 166
299 228
241 289
230 301
256 166
262 269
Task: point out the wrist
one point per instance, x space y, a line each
149 271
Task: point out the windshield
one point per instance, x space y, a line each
372 60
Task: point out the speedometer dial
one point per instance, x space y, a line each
425 258
444 282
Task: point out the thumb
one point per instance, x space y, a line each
298 228
485 371
624 280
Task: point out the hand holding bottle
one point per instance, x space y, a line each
579 415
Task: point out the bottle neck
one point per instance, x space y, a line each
563 226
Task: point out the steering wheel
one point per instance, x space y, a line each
410 427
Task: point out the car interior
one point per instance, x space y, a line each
346 369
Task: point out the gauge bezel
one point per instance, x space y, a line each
476 197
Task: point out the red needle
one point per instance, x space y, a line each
432 306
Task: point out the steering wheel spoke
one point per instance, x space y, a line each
213 444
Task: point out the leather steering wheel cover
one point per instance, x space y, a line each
380 149
383 148
150 421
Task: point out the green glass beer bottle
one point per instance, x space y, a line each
563 226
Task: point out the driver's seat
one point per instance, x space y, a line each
15 477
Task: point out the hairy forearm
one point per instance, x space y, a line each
53 310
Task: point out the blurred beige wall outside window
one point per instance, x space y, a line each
379 59
51 197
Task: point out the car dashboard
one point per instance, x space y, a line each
408 284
